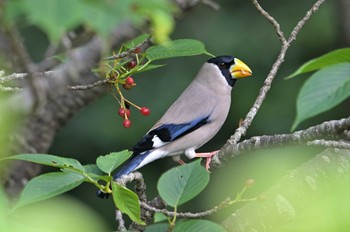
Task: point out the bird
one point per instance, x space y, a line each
193 119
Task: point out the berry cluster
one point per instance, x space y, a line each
125 113
121 74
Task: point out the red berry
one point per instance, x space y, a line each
127 87
132 64
137 50
126 123
145 111
123 111
129 81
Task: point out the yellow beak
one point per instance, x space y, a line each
240 70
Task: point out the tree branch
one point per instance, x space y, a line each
242 129
120 220
330 144
168 213
332 129
38 130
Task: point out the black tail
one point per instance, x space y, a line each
128 168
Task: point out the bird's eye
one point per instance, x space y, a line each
222 65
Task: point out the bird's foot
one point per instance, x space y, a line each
208 156
181 162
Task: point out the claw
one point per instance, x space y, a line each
208 156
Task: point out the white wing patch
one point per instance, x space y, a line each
157 142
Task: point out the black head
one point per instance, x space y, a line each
224 63
231 68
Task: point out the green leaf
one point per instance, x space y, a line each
49 160
176 48
106 15
158 227
334 57
95 173
108 163
136 41
4 202
181 184
322 91
160 15
58 17
163 24
92 168
127 202
151 67
198 225
159 217
48 185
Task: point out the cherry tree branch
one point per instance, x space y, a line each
335 129
330 144
242 129
120 220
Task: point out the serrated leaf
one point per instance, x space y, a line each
182 183
49 160
108 163
331 58
176 48
322 91
127 202
47 186
198 225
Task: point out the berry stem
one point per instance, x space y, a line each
137 59
144 66
122 98
133 104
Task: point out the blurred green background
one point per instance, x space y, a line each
236 29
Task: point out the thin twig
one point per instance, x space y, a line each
10 89
242 129
222 205
211 4
26 64
21 76
272 20
301 23
332 129
130 51
13 76
330 144
90 86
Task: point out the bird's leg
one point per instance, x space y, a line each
207 155
178 159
